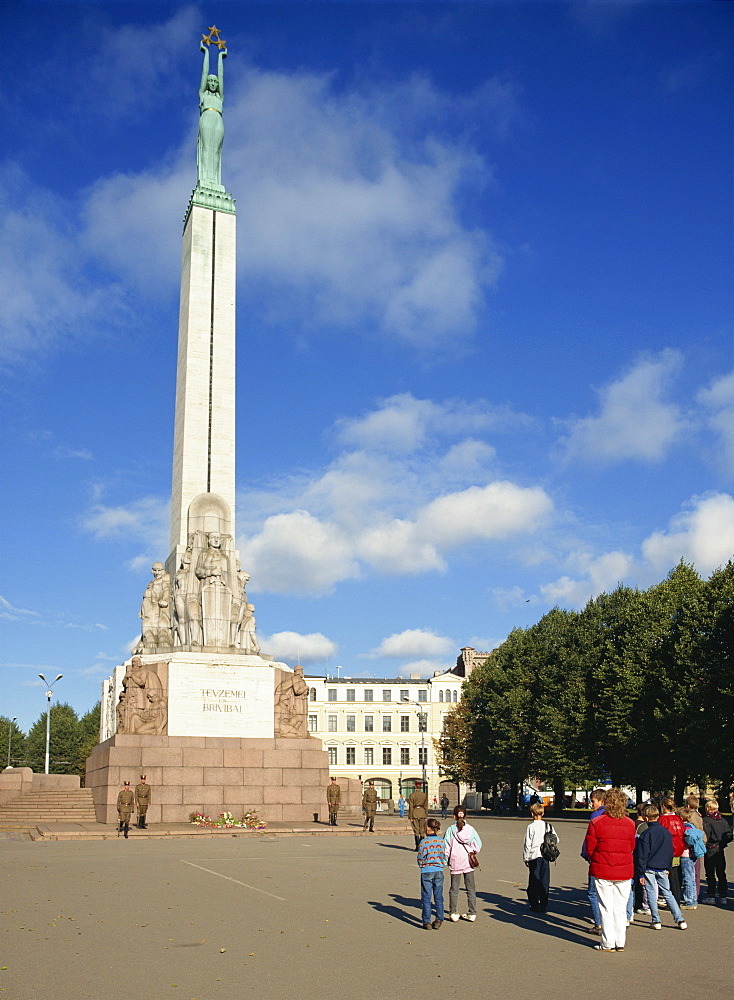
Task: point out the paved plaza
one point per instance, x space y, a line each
318 917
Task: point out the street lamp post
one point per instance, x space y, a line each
422 730
49 692
10 734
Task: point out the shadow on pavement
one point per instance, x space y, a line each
398 847
566 907
395 911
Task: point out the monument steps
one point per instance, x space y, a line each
57 806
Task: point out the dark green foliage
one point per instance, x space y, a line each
637 688
16 745
72 740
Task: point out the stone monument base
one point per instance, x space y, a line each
282 779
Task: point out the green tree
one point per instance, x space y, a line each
65 738
452 746
89 738
11 737
716 715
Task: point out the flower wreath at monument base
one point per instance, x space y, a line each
226 820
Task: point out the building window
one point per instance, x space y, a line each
404 723
422 696
440 696
351 755
455 693
405 695
332 756
369 723
332 694
405 755
331 725
422 722
312 723
351 723
312 694
386 694
387 756
423 755
386 724
369 756
350 694
368 694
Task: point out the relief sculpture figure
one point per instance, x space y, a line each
212 569
142 707
291 704
155 611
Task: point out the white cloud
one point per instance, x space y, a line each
146 518
495 511
314 647
426 668
702 534
635 421
718 400
600 573
295 552
13 614
413 642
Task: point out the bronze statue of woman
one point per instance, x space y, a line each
211 124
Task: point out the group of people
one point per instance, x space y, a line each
127 800
459 849
632 865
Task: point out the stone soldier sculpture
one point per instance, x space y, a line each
417 812
125 803
142 801
369 804
333 797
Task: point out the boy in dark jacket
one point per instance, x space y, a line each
718 835
653 861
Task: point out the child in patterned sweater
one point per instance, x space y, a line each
431 859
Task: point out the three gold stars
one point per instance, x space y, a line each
214 37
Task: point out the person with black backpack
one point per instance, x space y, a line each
539 848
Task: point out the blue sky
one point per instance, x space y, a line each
484 318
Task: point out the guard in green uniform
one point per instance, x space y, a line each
333 797
142 801
125 803
417 812
369 804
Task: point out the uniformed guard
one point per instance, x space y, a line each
369 804
125 803
333 797
142 801
417 812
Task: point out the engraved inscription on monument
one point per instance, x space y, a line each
221 699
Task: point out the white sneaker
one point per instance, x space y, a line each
657 927
453 917
469 916
682 925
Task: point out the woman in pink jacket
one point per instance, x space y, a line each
609 843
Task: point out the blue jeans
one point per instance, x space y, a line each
594 902
631 901
431 886
688 880
658 881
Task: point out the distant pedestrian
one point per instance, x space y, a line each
461 841
538 866
125 803
417 812
431 861
653 862
444 806
610 841
718 835
401 805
